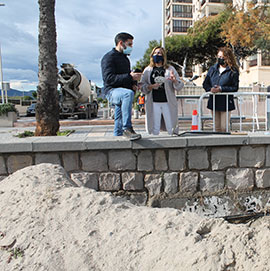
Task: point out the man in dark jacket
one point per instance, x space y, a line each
120 84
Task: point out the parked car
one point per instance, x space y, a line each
31 110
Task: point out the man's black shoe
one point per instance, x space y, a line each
131 134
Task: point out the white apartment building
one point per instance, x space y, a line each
181 14
178 17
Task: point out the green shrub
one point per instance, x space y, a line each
136 106
27 98
25 134
5 108
30 133
65 133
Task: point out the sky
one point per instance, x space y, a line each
85 32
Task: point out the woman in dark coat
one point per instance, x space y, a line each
222 77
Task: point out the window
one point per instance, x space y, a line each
252 61
181 25
182 11
168 14
265 59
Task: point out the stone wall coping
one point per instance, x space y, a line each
201 173
12 145
62 143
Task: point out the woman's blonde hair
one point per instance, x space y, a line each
229 57
165 63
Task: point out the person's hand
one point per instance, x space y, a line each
154 86
135 88
136 76
139 85
172 77
216 89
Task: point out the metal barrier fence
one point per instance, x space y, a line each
240 96
199 90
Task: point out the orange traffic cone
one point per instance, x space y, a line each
194 125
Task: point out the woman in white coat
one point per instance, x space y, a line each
159 82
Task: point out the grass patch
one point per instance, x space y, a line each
65 133
25 134
29 133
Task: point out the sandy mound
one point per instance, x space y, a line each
51 225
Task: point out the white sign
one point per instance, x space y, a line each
6 86
191 101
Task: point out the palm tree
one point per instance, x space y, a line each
47 109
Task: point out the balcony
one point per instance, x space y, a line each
182 1
181 26
209 7
180 29
218 1
182 11
182 15
260 2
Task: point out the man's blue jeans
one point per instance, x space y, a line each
122 99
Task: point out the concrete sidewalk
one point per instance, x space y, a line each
95 128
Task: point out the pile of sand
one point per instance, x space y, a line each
47 223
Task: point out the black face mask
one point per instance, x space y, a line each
221 61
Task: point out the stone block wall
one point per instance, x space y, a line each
213 180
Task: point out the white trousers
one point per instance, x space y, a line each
158 110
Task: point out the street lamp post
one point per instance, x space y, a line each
1 78
163 24
1 71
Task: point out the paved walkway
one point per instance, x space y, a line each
95 128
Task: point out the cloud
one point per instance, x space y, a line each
20 74
25 79
85 32
23 85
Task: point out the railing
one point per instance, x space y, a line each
178 14
199 90
240 96
182 1
216 1
220 1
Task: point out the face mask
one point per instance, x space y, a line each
221 61
127 50
158 58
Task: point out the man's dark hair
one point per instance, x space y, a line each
122 37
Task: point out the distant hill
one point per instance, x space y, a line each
14 92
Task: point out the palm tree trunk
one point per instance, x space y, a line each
47 109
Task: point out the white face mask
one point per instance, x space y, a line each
127 50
